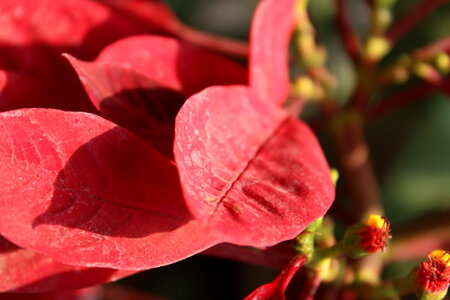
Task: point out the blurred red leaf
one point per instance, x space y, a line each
275 289
253 174
174 64
272 27
153 13
85 192
35 33
26 271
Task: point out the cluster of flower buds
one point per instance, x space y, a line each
370 237
433 276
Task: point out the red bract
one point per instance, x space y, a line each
133 101
272 27
275 289
250 172
35 33
29 272
174 64
38 92
87 192
141 82
102 197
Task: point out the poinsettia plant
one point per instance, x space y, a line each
130 141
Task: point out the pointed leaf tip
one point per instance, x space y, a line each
272 27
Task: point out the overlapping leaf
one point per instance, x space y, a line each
133 101
26 271
85 192
34 33
18 90
174 64
153 13
271 31
141 82
252 173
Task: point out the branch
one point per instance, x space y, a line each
401 99
402 69
157 15
412 94
310 289
360 180
355 164
348 36
432 49
422 236
412 18
213 42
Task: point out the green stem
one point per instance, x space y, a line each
305 241
330 252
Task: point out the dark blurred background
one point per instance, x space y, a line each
410 148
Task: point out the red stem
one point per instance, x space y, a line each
348 36
412 18
310 289
213 42
424 235
434 77
401 99
359 99
411 95
432 49
156 15
355 165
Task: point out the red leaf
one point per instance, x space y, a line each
26 271
85 192
275 289
19 90
133 101
252 173
35 33
153 13
174 64
271 31
135 83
